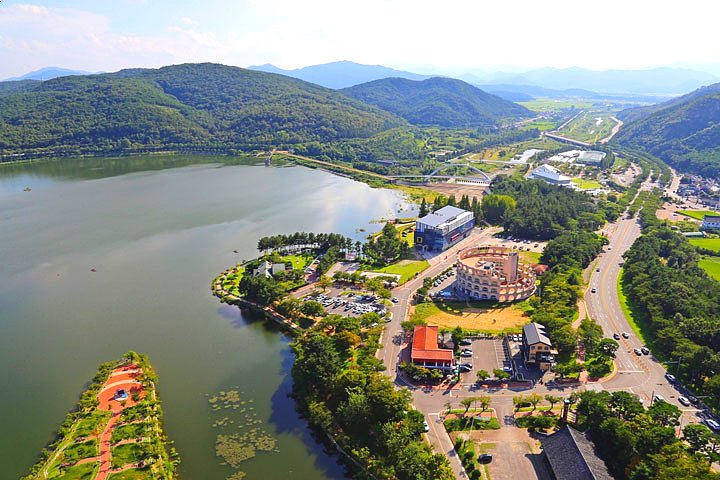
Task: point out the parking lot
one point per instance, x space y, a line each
349 304
442 285
487 354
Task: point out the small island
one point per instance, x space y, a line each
115 432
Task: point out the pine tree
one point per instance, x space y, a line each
424 208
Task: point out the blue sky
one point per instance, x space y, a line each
451 36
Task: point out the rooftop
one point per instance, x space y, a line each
535 333
441 216
425 344
572 456
548 171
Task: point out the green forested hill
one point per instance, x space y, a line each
192 104
684 132
438 101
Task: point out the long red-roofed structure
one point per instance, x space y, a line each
425 350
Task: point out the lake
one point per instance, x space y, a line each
157 230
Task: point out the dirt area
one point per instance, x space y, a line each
485 319
457 189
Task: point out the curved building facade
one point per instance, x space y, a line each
494 273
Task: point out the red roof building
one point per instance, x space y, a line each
425 350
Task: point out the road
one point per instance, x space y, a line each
618 123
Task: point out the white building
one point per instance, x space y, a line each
710 222
552 175
591 157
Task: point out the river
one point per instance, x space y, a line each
156 230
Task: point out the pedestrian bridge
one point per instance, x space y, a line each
481 178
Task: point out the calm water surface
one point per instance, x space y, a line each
157 230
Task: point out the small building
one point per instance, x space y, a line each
572 456
426 351
537 349
441 229
267 269
591 157
711 222
551 175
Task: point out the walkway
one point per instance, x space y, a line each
122 378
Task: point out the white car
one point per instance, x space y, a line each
426 427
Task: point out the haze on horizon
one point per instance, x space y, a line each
422 36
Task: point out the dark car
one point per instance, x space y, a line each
465 342
485 458
464 368
616 336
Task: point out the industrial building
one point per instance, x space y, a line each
442 228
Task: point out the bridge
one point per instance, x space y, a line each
481 179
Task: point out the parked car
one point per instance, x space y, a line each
684 401
465 342
394 300
464 367
426 427
670 378
466 353
485 458
658 398
712 424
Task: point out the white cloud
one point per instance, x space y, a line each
454 35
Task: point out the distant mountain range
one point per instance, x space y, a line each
340 74
654 81
546 82
446 102
48 73
684 131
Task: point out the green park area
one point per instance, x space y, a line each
407 269
591 126
697 214
585 184
542 125
706 243
530 257
711 265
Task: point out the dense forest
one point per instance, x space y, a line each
193 104
437 101
684 132
544 211
677 303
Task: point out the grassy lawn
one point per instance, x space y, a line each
542 125
488 317
633 319
93 424
299 262
405 268
584 184
132 474
530 257
78 472
707 243
697 214
586 128
131 430
78 451
126 454
711 265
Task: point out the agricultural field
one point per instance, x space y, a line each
554 105
707 243
479 316
590 126
697 214
542 125
711 265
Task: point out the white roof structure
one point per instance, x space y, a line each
446 218
551 175
591 156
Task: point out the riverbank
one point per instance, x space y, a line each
116 427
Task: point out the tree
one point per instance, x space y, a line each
495 207
552 400
590 333
482 375
534 399
373 284
500 374
324 282
626 405
664 413
424 210
312 308
519 401
484 402
608 347
467 403
700 438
